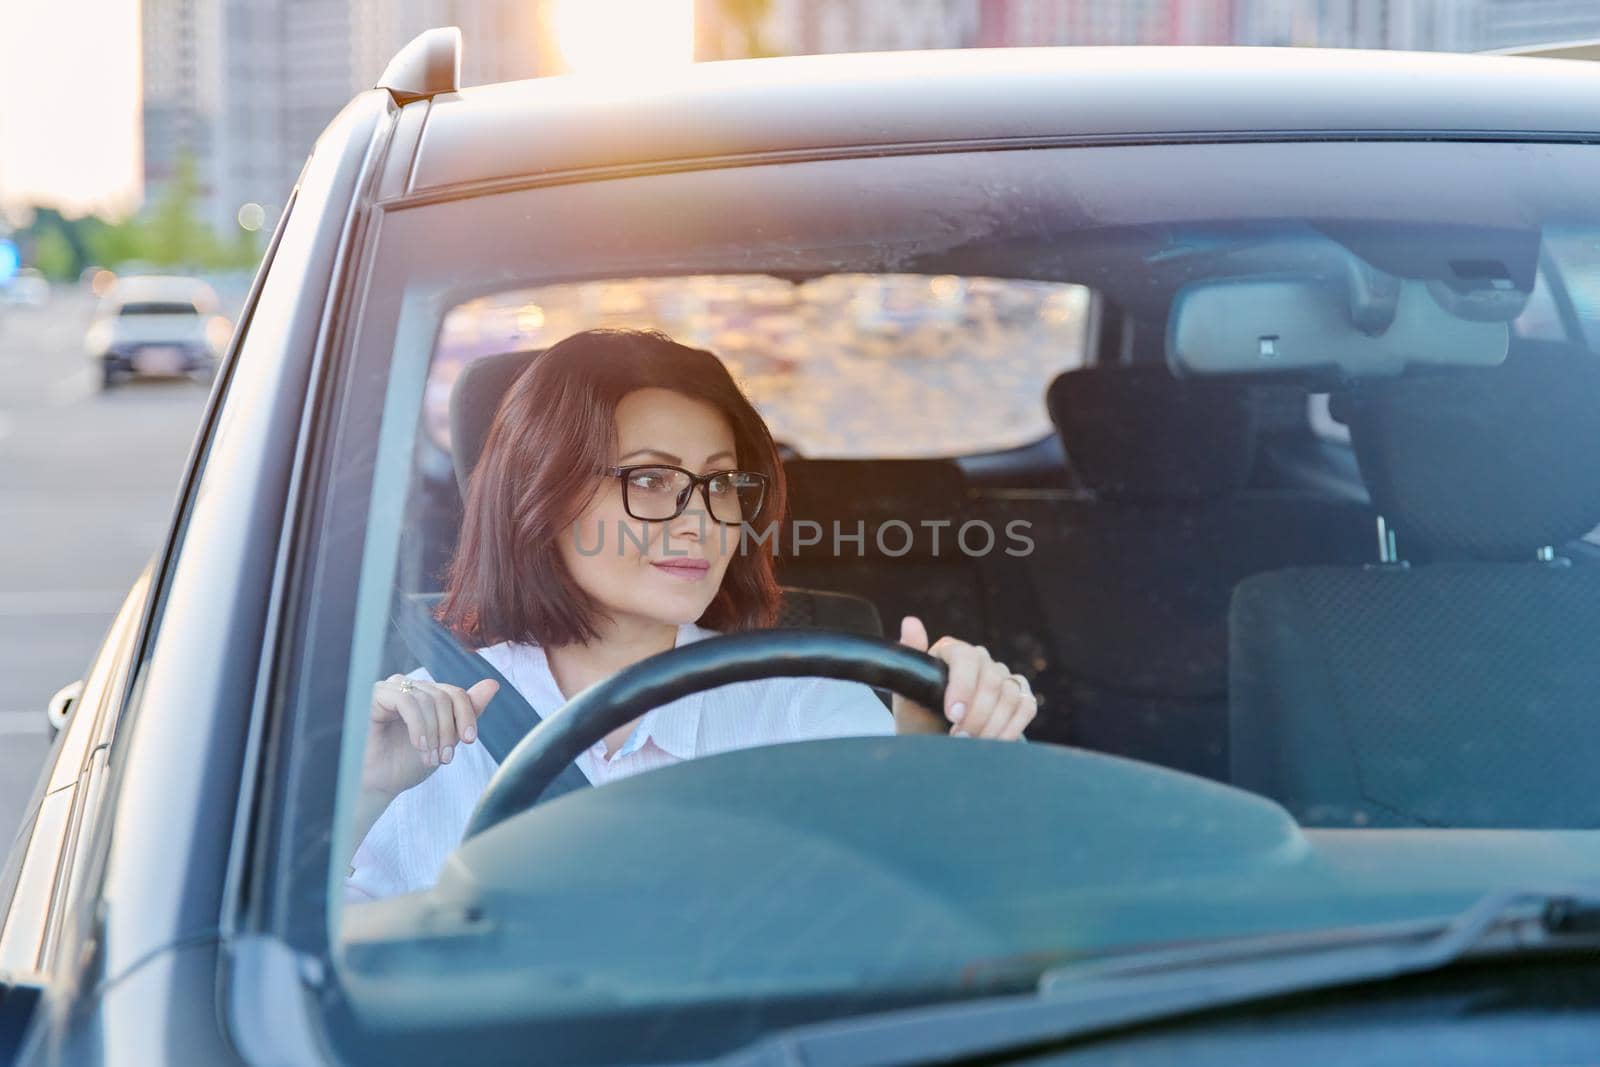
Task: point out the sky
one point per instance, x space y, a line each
69 105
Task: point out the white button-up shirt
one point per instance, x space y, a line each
406 848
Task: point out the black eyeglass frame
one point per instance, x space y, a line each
700 481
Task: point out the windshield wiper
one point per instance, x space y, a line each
1142 987
1513 921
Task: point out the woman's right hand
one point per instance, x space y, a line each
415 728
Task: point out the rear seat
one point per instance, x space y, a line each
907 560
1132 579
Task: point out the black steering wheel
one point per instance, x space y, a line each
530 767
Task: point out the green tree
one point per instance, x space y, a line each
169 233
174 233
53 255
54 244
112 244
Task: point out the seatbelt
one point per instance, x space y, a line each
509 716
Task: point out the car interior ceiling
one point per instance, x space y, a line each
1183 506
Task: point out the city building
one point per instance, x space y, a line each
1103 22
1509 23
183 80
243 87
504 40
809 27
239 88
814 26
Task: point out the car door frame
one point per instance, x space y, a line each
40 868
143 976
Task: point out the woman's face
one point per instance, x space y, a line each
668 572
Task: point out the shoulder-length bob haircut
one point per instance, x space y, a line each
555 430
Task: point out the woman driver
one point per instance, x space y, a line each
586 547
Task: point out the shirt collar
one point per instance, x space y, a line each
675 728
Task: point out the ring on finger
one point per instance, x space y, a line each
1017 680
406 685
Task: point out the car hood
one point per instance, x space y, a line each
909 863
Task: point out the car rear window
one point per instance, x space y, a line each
158 307
842 365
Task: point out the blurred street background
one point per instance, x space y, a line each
86 488
162 137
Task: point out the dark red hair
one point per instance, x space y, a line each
555 427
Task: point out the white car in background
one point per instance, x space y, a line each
158 326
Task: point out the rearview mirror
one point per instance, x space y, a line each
1254 325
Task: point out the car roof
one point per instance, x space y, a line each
155 288
816 105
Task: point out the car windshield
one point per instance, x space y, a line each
1267 467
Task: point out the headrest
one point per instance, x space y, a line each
1489 462
925 498
1138 434
474 399
818 609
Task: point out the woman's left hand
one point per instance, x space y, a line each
983 698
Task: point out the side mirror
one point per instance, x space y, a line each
62 704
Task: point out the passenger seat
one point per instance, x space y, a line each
1464 693
1133 578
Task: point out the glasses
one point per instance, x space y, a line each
657 492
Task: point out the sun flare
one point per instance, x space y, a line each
623 37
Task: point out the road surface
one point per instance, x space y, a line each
87 483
